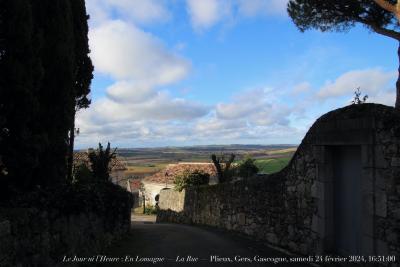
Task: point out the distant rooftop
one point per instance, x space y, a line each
168 174
83 158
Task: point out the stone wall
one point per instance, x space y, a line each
29 237
293 209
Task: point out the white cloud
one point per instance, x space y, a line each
138 11
250 8
134 107
160 107
206 13
384 97
257 107
156 118
301 88
126 52
370 81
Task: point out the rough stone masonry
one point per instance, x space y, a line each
295 208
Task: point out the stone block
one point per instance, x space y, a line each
396 213
241 219
380 160
367 156
367 227
380 181
319 154
382 248
272 238
368 204
318 226
293 246
380 203
367 185
5 228
395 162
391 236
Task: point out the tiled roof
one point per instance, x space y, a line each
83 158
168 174
134 184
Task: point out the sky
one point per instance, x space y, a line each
190 72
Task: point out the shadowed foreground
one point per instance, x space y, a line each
171 241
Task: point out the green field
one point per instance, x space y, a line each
147 161
141 170
272 165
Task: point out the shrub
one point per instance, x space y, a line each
188 179
149 210
357 98
247 168
82 174
100 162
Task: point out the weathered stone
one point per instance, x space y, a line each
395 162
396 213
380 203
293 246
5 228
294 208
382 248
272 238
367 245
392 237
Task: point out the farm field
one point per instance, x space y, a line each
143 162
272 165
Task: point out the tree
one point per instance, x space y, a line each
45 74
223 165
100 162
191 178
21 74
379 16
247 168
83 71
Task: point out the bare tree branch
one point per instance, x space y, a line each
383 31
395 9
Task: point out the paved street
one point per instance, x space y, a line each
151 244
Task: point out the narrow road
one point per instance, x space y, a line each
151 244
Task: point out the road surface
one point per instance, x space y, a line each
151 244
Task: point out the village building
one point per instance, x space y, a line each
163 179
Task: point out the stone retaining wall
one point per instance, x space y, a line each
293 209
29 237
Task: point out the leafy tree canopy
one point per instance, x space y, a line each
100 161
341 15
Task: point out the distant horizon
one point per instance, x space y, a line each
191 146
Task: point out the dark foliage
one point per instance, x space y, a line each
82 174
357 97
188 179
341 15
247 168
100 162
45 73
84 71
223 167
